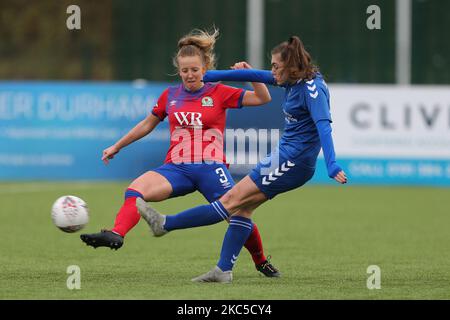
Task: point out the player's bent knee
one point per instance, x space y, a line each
231 201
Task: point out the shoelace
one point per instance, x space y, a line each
268 264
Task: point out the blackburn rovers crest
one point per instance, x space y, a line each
207 102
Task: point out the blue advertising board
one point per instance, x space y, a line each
58 130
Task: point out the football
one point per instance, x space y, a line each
70 213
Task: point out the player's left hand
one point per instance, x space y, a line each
341 177
241 65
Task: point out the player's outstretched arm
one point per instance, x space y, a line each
140 130
241 75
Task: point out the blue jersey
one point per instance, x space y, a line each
305 103
307 112
306 108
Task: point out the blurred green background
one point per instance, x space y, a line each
125 40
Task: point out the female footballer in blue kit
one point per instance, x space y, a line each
307 129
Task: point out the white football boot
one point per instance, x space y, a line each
154 219
215 275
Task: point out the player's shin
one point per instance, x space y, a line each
196 217
255 247
128 215
237 234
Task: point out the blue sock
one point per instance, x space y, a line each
196 217
131 193
237 234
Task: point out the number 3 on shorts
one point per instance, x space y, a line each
222 175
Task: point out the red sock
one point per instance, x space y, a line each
128 215
255 247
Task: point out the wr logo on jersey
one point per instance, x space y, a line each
189 118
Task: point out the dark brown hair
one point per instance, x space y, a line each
297 60
198 43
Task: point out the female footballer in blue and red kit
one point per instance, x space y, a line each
307 129
195 160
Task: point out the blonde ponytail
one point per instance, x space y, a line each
198 42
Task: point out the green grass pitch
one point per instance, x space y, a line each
322 238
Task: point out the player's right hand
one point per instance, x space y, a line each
241 65
341 177
109 153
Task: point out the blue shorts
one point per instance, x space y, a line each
278 173
211 180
